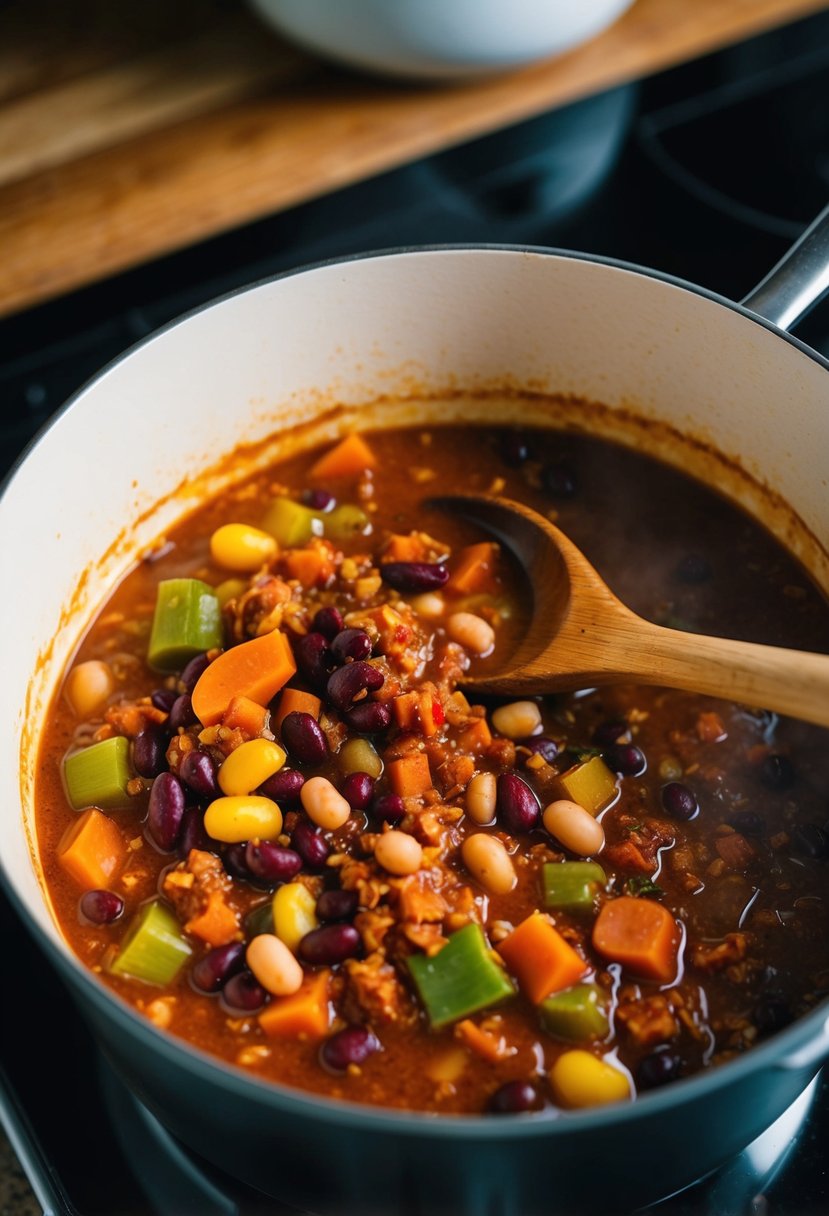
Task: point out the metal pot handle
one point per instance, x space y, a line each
798 281
811 1055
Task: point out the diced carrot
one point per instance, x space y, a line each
404 709
349 458
641 935
484 1043
256 669
92 850
476 737
404 548
305 1014
541 960
311 567
218 924
410 775
295 701
474 570
246 715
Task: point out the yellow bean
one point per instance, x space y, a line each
249 765
471 631
88 686
274 965
241 548
481 798
574 827
294 913
238 818
488 861
324 804
581 1079
398 852
518 720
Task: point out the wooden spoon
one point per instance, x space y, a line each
581 635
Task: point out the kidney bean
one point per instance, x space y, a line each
149 752
101 907
181 714
303 738
212 971
198 771
328 621
777 772
353 1045
193 834
626 759
351 644
541 745
559 479
284 786
390 808
357 789
330 944
163 699
368 717
194 669
313 658
608 733
271 862
678 801
516 805
348 682
747 822
319 500
414 576
165 813
514 1098
337 904
659 1068
243 993
311 845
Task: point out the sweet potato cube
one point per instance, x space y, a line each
295 701
541 960
641 935
92 850
474 570
476 737
245 714
349 458
410 776
304 1015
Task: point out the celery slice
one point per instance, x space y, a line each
187 621
154 948
461 979
291 523
98 775
572 885
577 1015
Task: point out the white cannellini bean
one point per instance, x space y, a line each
471 631
274 965
488 861
574 827
324 804
429 605
518 720
481 797
398 852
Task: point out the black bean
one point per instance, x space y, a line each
165 812
357 789
747 822
368 717
514 1098
311 845
414 576
271 862
678 801
101 907
516 804
149 752
346 683
212 971
337 904
610 732
283 787
194 669
353 1045
329 945
351 644
198 771
777 771
659 1068
328 621
303 738
626 759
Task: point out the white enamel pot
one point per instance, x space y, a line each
308 351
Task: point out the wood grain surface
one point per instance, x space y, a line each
127 132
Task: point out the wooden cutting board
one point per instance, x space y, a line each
130 131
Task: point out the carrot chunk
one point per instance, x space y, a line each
410 775
540 958
246 715
474 570
92 850
256 669
305 1014
217 925
295 701
349 458
402 548
641 935
311 567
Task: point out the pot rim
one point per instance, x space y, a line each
700 1086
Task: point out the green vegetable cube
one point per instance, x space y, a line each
461 979
291 523
572 885
577 1015
154 948
591 784
186 622
98 775
346 521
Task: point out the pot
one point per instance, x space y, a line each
700 381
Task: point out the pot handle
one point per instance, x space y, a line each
811 1055
798 281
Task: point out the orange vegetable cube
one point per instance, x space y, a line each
404 709
92 850
404 548
540 958
410 776
640 934
246 715
349 458
306 1014
476 737
295 701
474 570
311 567
256 669
217 925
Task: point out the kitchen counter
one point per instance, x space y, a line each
122 140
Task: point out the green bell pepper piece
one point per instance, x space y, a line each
572 886
461 979
577 1015
98 775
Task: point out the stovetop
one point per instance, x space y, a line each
708 171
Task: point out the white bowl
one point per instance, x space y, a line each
439 38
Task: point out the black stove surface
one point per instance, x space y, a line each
708 171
